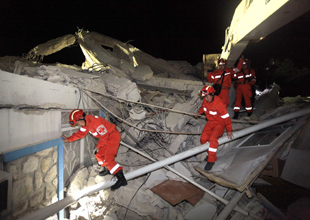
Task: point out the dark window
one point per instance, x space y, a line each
4 186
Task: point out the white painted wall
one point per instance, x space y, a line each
25 128
19 129
17 90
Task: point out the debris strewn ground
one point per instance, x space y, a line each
142 94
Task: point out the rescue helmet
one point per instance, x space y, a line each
206 90
222 61
245 61
76 115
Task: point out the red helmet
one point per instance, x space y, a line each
222 61
245 61
206 90
75 115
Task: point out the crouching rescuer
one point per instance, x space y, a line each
217 119
107 147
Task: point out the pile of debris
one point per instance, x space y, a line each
152 102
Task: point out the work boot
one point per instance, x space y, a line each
121 180
104 172
236 115
209 165
249 114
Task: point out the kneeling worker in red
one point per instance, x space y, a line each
218 118
106 149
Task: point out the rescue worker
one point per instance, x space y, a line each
245 80
106 149
218 118
222 76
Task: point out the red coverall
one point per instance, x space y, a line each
246 78
212 77
109 139
218 118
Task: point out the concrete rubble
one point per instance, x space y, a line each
139 94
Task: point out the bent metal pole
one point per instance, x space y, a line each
226 202
57 206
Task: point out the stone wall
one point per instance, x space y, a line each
34 181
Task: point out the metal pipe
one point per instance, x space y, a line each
82 151
237 208
57 206
60 169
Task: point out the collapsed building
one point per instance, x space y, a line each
152 102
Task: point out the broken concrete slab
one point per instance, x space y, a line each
51 46
127 67
142 73
185 70
174 146
93 52
156 178
176 122
104 40
121 88
170 85
123 52
199 212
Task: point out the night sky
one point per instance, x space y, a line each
171 30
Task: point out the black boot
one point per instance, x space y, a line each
249 114
121 180
206 159
236 115
104 172
209 165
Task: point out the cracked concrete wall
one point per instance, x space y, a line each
19 90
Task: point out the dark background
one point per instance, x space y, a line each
177 30
171 30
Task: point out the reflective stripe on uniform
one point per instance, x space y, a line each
236 108
205 109
212 113
249 108
212 149
82 129
114 168
95 133
225 116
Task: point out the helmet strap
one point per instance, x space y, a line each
82 119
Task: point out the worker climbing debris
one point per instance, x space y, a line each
218 118
108 144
